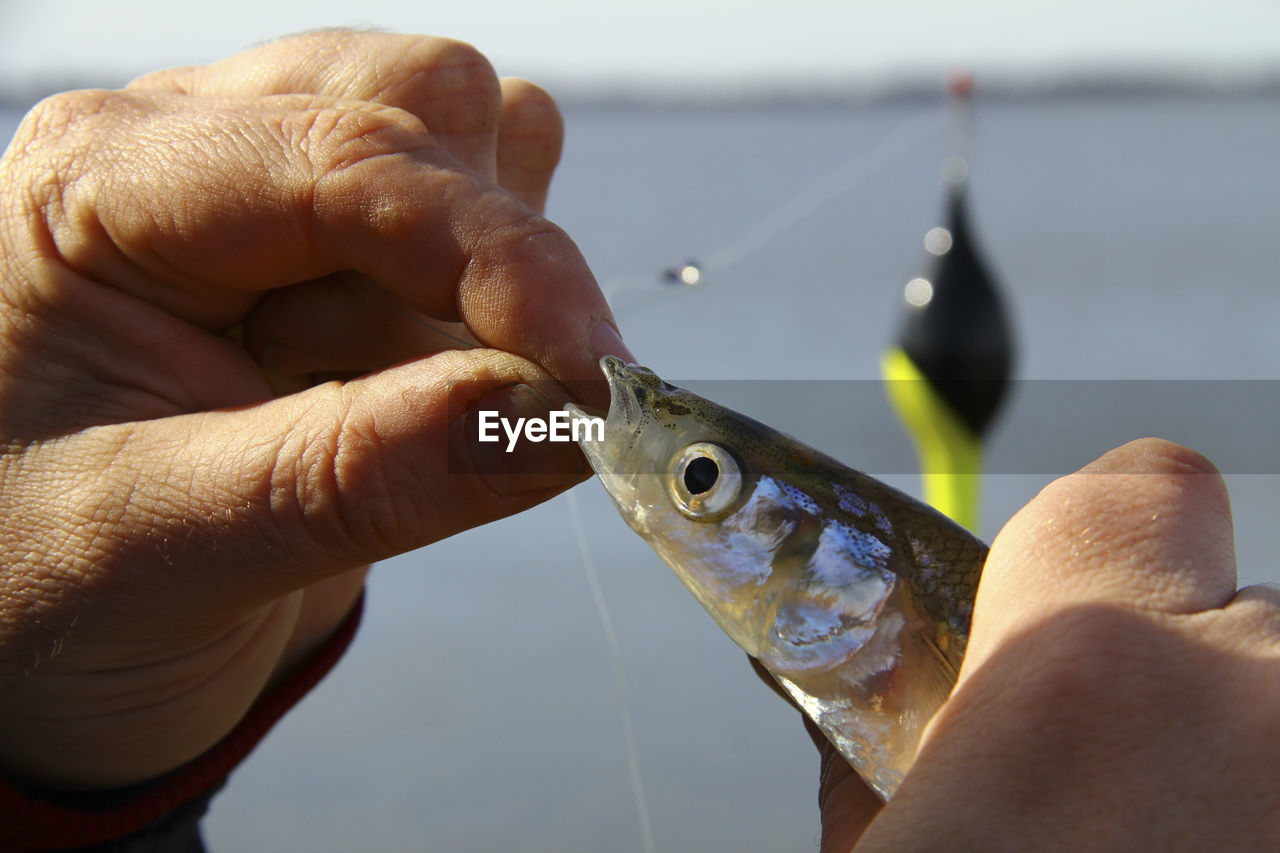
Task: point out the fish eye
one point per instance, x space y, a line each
705 480
700 475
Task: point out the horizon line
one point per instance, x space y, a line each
833 90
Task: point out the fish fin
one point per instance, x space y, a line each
932 677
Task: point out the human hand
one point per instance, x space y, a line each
1118 692
175 534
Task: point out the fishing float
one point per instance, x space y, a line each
949 369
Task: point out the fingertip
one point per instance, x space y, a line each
1151 456
529 111
1145 526
530 139
454 89
1154 476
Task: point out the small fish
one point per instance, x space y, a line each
855 596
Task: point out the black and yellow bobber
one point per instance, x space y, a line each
948 371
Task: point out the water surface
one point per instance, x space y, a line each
476 710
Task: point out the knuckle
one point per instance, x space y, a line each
510 240
449 80
512 229
461 66
61 113
338 481
303 482
92 115
337 138
46 161
48 132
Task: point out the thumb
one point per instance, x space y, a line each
1146 526
279 495
1039 732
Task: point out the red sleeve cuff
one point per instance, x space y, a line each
28 823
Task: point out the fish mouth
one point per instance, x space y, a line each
611 455
622 418
624 382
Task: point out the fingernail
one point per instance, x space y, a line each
521 453
605 340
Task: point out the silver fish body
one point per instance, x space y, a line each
855 596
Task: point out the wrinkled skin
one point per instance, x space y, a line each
187 501
1118 692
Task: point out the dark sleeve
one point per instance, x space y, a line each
163 814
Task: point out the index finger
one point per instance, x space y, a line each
227 197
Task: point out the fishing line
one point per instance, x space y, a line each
593 581
847 177
619 672
597 596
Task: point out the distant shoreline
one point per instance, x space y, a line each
818 93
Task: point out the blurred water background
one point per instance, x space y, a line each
1135 235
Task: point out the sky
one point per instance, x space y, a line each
672 44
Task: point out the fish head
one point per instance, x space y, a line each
734 508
